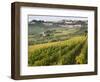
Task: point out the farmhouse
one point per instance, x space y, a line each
71 23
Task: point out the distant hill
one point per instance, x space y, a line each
62 22
37 26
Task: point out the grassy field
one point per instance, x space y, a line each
53 34
71 51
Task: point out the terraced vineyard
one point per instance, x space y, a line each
70 51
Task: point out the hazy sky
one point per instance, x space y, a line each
54 18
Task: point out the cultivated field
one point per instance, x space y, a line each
72 51
55 45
